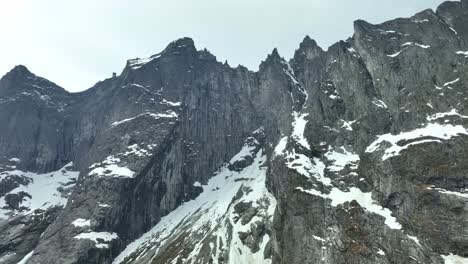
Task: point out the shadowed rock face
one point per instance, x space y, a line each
356 154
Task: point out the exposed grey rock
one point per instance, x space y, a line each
404 63
149 140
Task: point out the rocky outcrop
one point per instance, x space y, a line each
351 155
32 111
399 86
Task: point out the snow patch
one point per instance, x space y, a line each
340 158
289 72
416 44
339 197
386 32
348 124
451 82
164 101
464 53
168 114
395 54
444 191
138 86
415 239
379 103
138 63
101 239
136 150
80 222
353 52
109 168
454 259
307 167
46 190
319 238
299 124
15 160
421 21
436 132
452 112
25 259
246 151
281 147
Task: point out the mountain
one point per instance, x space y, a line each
356 154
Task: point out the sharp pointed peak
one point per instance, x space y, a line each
308 49
20 70
184 42
21 78
272 59
177 46
205 54
275 54
360 24
308 42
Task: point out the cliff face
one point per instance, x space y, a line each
387 129
356 154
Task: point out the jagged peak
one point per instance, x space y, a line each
449 10
20 67
20 74
452 4
425 14
307 42
308 49
447 4
19 71
20 77
275 54
362 25
241 67
184 43
178 45
205 54
272 58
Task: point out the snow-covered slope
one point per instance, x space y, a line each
229 222
37 191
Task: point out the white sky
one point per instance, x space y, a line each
78 43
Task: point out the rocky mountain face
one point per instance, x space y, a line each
357 154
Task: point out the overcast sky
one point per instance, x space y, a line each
77 43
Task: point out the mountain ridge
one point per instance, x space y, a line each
338 156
